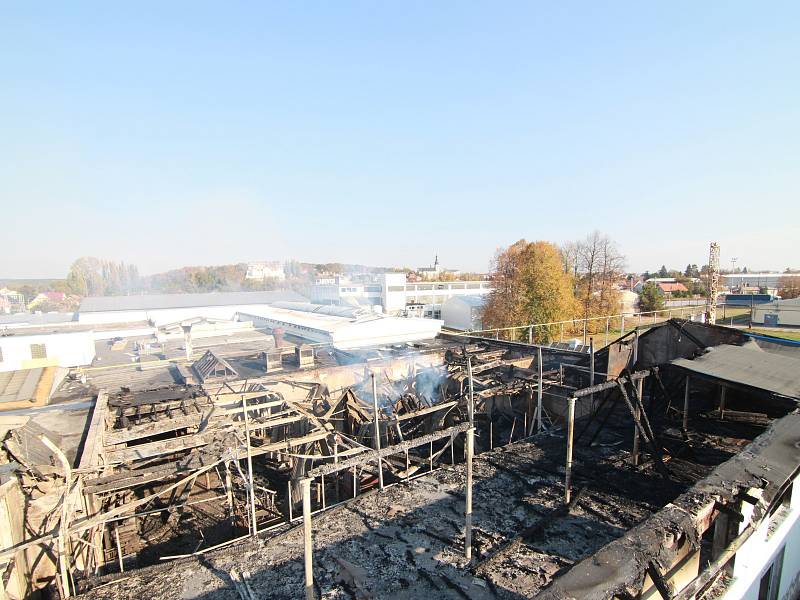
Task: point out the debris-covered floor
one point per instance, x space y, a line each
407 541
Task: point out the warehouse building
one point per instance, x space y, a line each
755 280
779 313
391 293
35 350
169 308
341 326
463 313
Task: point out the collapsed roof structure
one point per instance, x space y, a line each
658 466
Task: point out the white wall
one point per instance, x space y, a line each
69 349
393 296
457 314
761 550
788 312
389 330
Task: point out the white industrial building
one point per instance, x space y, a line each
60 349
755 280
778 313
342 326
68 340
161 309
464 313
394 295
261 270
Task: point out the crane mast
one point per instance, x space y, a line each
713 283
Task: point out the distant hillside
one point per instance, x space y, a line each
15 283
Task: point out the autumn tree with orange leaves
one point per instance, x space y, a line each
530 286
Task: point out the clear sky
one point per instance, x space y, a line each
170 133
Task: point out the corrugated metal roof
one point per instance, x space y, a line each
161 301
753 367
37 319
333 310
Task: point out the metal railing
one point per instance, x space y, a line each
590 326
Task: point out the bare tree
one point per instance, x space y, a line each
599 265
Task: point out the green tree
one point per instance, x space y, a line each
650 299
76 281
662 272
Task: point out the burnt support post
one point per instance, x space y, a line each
722 393
289 499
377 428
591 367
336 461
468 503
254 525
307 543
570 434
686 403
636 413
470 451
539 390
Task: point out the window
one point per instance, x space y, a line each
397 288
38 351
770 581
1 355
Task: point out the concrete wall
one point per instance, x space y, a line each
393 295
69 349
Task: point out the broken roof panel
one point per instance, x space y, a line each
210 366
747 366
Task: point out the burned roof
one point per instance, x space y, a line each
748 365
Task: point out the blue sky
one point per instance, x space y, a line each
170 134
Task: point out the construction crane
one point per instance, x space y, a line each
713 283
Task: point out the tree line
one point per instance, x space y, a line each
89 276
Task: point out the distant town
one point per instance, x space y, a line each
433 291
